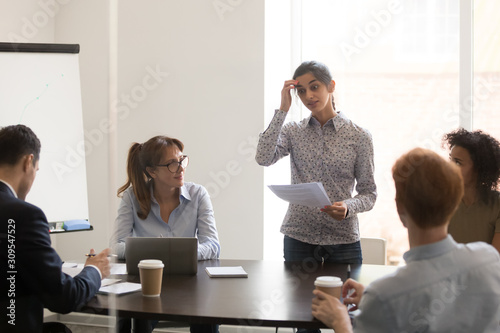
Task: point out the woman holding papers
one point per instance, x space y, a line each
156 202
478 216
325 147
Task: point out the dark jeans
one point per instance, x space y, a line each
203 328
295 250
124 325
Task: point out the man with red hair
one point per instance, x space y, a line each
445 286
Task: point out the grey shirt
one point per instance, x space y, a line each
445 287
338 154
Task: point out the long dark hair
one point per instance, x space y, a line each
319 70
484 151
140 157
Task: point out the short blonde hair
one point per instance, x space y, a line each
427 186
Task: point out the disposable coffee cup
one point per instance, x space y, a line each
331 285
151 273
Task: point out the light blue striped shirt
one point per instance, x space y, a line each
444 287
194 217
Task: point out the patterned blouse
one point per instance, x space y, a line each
339 155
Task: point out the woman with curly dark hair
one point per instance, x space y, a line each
478 216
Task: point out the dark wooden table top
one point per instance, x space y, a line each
275 293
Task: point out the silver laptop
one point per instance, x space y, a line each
179 254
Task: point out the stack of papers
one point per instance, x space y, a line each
108 286
228 271
108 282
73 269
120 288
307 194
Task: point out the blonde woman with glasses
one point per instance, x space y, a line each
156 202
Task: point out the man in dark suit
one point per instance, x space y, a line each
31 276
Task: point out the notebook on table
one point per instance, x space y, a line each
178 254
226 271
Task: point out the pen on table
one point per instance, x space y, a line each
94 254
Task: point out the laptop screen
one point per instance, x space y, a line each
178 254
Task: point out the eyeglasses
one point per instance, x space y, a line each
175 166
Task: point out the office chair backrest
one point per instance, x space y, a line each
374 250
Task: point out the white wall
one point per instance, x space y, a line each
25 21
86 23
212 99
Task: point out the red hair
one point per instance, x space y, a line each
427 186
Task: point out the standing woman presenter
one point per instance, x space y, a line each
325 147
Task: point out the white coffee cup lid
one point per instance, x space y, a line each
150 263
328 281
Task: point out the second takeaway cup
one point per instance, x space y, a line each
151 273
331 285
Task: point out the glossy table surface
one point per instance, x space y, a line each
275 293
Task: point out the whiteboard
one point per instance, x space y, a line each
42 91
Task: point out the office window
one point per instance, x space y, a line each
427 30
486 114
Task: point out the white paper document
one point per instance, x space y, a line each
307 194
120 288
118 269
226 271
73 269
107 282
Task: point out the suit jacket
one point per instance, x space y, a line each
31 276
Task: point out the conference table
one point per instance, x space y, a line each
275 294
